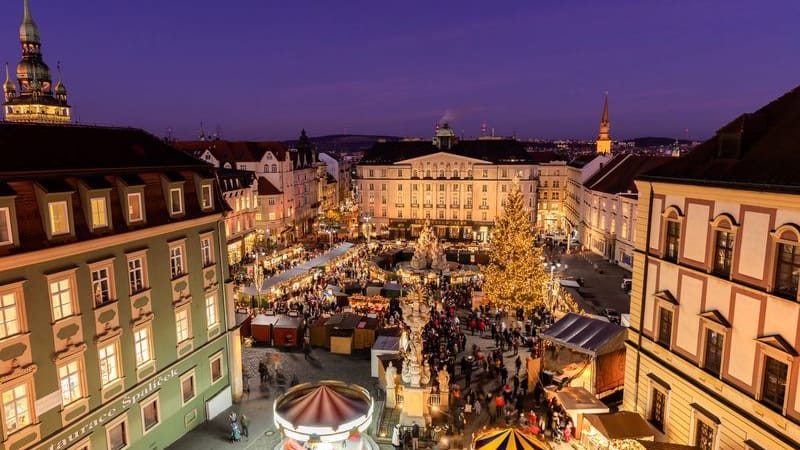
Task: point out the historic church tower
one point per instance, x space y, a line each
603 139
36 100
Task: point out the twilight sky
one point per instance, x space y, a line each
264 69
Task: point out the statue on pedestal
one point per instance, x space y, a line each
444 380
425 378
428 253
391 373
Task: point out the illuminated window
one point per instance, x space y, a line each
182 326
99 212
9 315
673 240
61 298
135 207
109 364
206 251
69 376
16 408
101 285
59 218
704 435
176 264
211 310
136 274
142 345
723 253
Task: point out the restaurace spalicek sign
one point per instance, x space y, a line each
119 407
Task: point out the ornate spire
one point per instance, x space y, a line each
9 88
28 31
603 138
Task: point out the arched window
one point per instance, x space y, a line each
455 173
274 168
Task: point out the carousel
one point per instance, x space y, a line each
507 439
323 416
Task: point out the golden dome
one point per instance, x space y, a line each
60 89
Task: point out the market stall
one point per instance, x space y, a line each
611 431
586 352
507 439
364 333
318 334
577 402
342 341
286 332
261 328
327 414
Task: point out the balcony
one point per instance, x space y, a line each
428 205
455 205
441 205
399 205
483 207
468 206
415 205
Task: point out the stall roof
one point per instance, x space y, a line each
287 322
262 319
304 268
620 425
586 335
389 343
579 399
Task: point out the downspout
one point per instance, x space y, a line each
643 299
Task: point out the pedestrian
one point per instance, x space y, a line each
306 349
492 408
396 436
262 372
414 436
244 421
518 363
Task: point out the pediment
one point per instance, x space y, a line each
442 157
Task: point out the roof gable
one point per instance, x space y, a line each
447 157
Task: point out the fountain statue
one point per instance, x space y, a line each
428 252
416 373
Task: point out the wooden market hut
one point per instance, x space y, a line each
287 332
261 328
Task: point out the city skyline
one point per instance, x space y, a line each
531 71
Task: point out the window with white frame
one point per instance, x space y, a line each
136 274
61 298
206 251
205 196
99 212
142 346
109 363
9 314
182 325
59 217
176 201
117 434
17 407
70 381
176 263
135 207
216 367
211 310
6 236
101 285
151 415
187 387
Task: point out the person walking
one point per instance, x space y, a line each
492 408
414 436
396 436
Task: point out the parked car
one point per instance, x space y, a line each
612 314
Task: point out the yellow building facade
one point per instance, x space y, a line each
712 351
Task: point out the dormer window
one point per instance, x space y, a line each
6 236
176 201
59 218
99 212
135 207
206 201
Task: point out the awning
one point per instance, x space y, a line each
569 283
580 400
621 425
508 439
586 335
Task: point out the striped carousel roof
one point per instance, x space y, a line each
508 439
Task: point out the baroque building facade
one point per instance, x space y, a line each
712 351
458 186
114 319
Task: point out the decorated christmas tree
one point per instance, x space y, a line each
515 276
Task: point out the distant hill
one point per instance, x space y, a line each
656 141
344 143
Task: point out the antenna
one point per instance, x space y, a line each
483 128
202 132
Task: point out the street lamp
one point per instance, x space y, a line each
366 219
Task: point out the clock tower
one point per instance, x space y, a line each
603 138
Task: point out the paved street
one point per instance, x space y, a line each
600 290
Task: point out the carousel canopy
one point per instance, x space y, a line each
323 405
586 335
508 439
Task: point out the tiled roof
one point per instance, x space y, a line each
505 151
235 151
759 151
52 149
617 175
235 179
265 187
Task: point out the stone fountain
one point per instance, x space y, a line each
428 252
414 376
